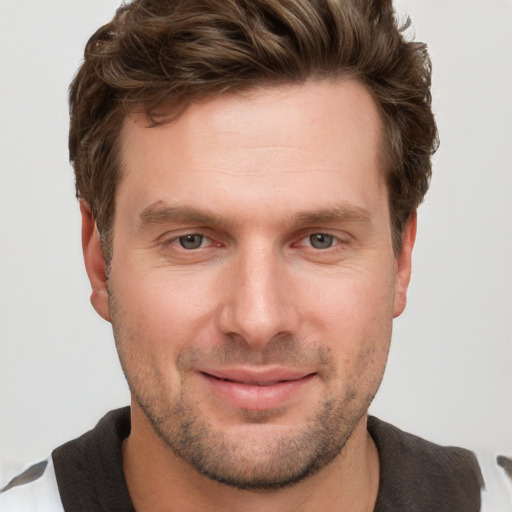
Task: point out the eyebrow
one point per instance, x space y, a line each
341 213
162 213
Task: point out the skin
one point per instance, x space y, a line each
260 298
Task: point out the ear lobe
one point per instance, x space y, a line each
95 263
403 265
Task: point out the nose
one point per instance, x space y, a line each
258 301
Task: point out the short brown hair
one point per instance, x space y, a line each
178 51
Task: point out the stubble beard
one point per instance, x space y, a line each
267 462
273 462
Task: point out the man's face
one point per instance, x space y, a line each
253 282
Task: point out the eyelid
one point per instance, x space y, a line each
211 239
169 238
172 237
341 238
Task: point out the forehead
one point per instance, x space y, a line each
263 146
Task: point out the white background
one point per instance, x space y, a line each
449 376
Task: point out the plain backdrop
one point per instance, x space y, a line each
449 376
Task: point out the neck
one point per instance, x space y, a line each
159 481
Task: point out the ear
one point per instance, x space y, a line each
95 263
403 265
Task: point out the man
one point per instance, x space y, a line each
248 175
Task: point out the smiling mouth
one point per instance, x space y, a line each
256 382
245 390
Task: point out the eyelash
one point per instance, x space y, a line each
175 239
336 241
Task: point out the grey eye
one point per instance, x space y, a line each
191 241
321 241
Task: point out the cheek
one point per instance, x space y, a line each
149 331
351 301
353 315
159 310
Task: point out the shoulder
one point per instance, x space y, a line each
419 475
497 476
83 474
34 490
89 469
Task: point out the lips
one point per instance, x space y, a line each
256 382
256 389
